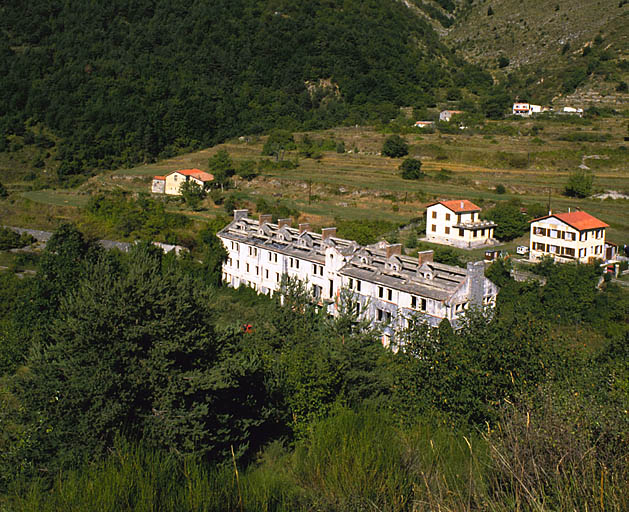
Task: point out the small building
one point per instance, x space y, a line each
159 185
457 223
171 183
492 255
424 124
572 236
526 109
446 115
572 111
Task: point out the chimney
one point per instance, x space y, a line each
394 249
327 233
240 214
425 257
264 219
283 222
303 227
476 274
462 203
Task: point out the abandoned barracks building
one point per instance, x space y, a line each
387 287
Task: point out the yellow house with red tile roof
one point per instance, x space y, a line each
572 236
171 183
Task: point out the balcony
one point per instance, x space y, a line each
479 224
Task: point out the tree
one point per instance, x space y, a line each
411 169
395 147
192 193
247 170
503 61
495 103
511 222
133 351
579 184
3 191
9 239
214 253
278 142
222 167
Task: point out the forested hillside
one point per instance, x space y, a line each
116 83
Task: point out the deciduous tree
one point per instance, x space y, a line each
411 169
395 147
222 167
192 193
579 183
278 142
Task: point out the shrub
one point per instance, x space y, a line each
395 147
411 169
192 194
364 231
3 191
500 189
9 239
247 170
579 184
444 175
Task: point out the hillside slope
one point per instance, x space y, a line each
122 82
545 42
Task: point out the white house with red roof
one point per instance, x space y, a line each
572 236
171 183
526 109
446 115
457 223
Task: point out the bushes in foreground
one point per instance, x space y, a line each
365 461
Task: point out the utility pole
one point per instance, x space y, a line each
549 189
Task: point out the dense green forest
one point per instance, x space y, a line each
117 83
124 82
128 383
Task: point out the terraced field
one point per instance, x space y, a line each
531 161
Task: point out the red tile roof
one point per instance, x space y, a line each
159 177
459 205
196 173
578 220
